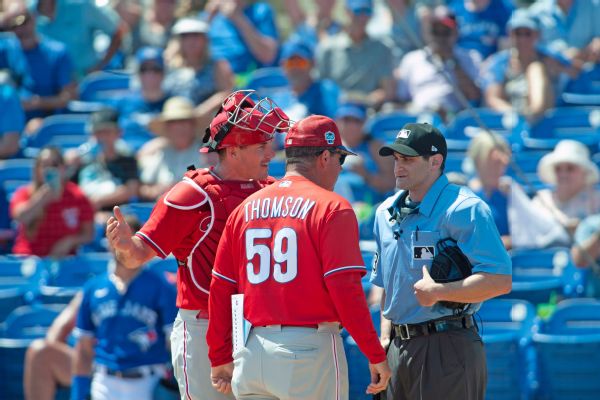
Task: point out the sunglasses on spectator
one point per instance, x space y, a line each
151 68
296 62
363 11
523 32
342 155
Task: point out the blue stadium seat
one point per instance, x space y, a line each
578 123
267 78
584 90
101 86
466 124
506 328
14 173
140 210
12 356
568 350
54 131
19 282
385 127
64 278
547 265
30 322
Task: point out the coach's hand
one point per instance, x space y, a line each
118 231
221 378
380 376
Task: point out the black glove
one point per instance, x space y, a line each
450 265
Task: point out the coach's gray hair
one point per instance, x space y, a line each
303 155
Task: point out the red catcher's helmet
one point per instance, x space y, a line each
240 122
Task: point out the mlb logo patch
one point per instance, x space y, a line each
329 137
289 141
423 252
285 183
403 134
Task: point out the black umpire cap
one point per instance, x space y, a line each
417 140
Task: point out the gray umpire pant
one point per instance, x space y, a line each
448 365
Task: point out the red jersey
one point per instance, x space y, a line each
188 221
62 217
281 244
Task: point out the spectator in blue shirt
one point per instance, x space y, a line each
523 77
317 96
244 33
12 58
146 101
481 23
196 74
76 23
570 27
51 68
12 121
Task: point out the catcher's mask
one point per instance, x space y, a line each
240 121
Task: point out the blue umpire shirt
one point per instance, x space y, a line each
447 210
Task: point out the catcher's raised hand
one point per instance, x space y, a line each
425 289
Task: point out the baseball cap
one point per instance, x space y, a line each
352 110
522 19
189 25
416 139
444 16
316 131
358 6
296 48
105 118
149 54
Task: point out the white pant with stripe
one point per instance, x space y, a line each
292 363
189 353
109 387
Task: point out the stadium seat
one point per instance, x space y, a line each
267 78
64 278
506 328
30 322
102 86
385 127
55 130
578 123
140 210
584 90
551 262
19 282
12 356
468 123
17 169
568 350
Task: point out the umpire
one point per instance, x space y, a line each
434 349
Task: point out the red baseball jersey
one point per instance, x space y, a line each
188 221
281 244
62 217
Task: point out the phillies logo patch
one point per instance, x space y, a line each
329 137
403 134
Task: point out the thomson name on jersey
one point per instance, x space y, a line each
278 207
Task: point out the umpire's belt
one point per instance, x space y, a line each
408 331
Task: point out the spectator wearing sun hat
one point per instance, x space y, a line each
318 96
572 175
195 73
163 160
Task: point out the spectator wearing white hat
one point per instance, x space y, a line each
569 169
195 74
164 159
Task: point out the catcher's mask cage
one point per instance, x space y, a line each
241 121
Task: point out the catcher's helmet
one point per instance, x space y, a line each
241 121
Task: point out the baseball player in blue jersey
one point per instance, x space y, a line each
123 326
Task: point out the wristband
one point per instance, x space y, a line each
81 386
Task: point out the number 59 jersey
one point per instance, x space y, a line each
279 247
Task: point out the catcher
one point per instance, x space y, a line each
188 221
439 255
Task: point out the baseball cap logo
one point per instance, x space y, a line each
403 134
329 137
434 149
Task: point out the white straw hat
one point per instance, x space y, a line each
175 108
568 151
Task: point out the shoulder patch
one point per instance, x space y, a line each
186 195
